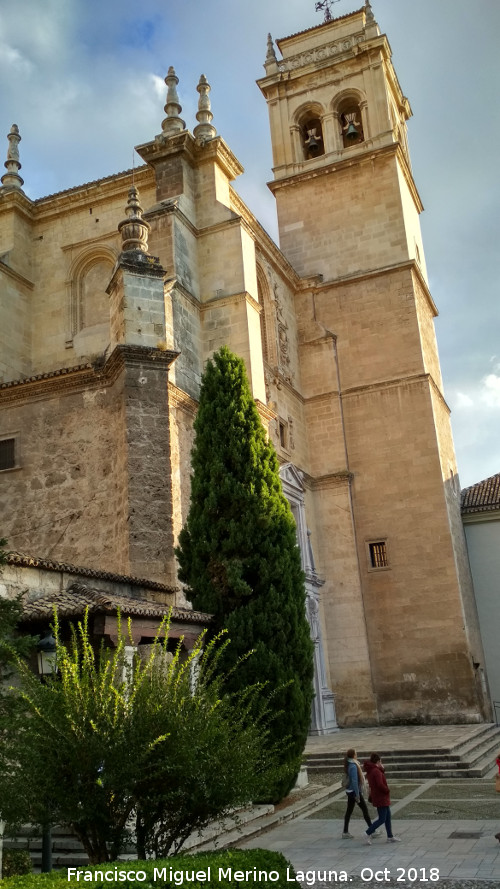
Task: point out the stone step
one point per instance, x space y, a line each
471 758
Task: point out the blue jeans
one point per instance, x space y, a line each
384 817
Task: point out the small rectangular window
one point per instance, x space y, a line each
283 430
378 554
7 453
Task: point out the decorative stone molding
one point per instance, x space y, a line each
323 718
83 376
321 53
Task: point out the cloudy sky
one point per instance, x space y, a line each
83 79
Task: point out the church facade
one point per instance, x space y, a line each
115 293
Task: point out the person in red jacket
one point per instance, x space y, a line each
379 797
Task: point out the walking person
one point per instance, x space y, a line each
354 786
379 797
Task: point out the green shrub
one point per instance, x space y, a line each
239 558
233 860
135 745
16 861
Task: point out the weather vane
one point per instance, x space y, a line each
326 6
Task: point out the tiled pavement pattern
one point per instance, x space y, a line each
444 824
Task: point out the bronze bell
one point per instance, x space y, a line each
352 132
313 142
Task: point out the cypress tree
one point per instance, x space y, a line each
239 557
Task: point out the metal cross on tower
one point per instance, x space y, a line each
326 6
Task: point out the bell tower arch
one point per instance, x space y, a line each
380 443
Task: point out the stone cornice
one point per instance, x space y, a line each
219 302
321 396
16 199
267 413
363 155
89 242
174 285
84 376
396 382
16 276
264 242
179 398
171 207
99 190
329 480
215 151
412 265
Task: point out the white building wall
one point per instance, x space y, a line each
483 543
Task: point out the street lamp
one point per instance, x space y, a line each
46 651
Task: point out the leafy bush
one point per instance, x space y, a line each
236 859
104 746
16 861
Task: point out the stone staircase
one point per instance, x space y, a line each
473 758
67 851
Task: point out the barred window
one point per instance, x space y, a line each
378 554
7 453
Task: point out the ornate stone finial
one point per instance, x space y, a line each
369 12
271 55
12 178
204 131
271 63
134 229
172 123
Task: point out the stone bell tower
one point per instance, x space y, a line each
380 440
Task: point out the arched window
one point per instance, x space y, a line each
267 319
351 125
311 134
88 310
347 108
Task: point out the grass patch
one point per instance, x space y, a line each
456 809
463 790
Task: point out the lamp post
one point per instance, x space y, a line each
46 651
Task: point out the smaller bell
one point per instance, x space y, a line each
313 143
352 132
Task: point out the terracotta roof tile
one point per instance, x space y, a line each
49 565
49 375
99 181
482 496
73 601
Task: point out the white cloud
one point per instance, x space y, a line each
490 393
12 58
463 401
159 86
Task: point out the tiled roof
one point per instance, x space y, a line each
482 496
339 18
99 181
49 565
73 601
49 375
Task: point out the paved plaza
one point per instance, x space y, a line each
446 827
